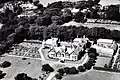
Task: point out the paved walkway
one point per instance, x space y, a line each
115 57
42 56
52 74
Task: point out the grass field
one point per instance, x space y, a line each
107 26
94 75
19 66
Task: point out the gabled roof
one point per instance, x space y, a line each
52 50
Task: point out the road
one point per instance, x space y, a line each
52 74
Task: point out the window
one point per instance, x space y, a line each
74 58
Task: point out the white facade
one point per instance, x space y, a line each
64 53
107 52
51 42
81 40
107 43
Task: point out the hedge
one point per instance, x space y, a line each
106 69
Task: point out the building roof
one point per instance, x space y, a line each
50 41
110 41
68 50
74 10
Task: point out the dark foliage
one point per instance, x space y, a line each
56 5
2 75
81 69
5 64
22 76
61 71
58 76
73 70
47 68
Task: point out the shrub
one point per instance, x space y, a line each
47 68
58 76
81 68
66 70
61 71
73 70
2 75
5 64
22 76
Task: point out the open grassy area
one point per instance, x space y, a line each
94 75
19 66
107 26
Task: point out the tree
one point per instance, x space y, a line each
47 68
105 66
67 11
11 38
56 19
88 44
92 50
32 19
2 75
61 71
73 70
96 1
31 1
35 2
18 10
114 34
66 70
87 66
22 76
92 55
58 76
92 61
113 12
66 18
56 5
40 6
79 17
5 64
81 69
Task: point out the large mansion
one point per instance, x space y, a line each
65 50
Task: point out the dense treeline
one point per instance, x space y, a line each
15 29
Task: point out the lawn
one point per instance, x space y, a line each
107 26
19 66
94 75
